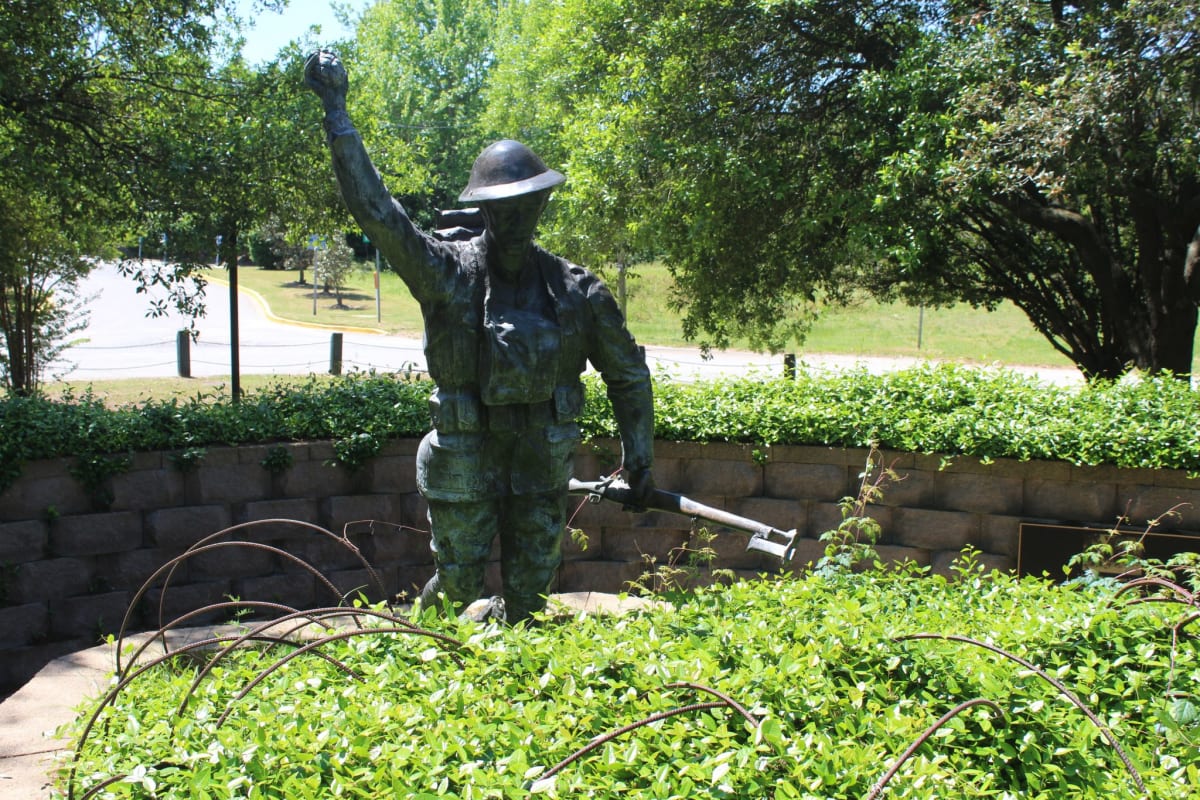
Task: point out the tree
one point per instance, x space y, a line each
76 79
417 71
777 151
335 264
700 130
1048 154
39 304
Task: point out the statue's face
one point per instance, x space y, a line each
512 221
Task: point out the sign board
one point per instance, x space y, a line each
1045 548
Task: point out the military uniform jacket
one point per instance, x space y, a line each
508 381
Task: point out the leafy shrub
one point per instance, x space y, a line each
1153 422
837 673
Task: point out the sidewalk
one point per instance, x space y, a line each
29 750
121 342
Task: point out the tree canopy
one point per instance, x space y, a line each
777 151
418 70
775 154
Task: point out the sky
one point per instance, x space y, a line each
272 31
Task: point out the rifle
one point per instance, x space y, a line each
781 544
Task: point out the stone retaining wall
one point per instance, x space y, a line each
69 573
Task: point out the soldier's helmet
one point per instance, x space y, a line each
508 169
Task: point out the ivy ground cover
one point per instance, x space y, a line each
888 684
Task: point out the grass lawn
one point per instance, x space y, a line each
959 333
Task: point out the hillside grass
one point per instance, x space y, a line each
866 327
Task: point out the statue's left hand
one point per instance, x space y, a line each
325 74
641 485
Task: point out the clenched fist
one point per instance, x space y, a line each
326 76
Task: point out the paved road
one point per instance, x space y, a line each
122 342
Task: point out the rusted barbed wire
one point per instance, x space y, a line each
124 682
1057 684
316 616
599 741
209 544
924 737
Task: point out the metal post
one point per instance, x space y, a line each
335 353
234 361
183 353
378 304
621 288
789 365
920 326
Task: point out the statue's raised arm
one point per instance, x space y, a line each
408 250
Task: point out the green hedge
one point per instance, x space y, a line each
1153 422
838 674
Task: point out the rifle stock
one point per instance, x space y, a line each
781 544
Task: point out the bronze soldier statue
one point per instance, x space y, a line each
509 329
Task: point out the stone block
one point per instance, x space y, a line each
577 544
148 489
95 534
896 555
778 513
943 563
1068 501
230 559
129 570
724 478
412 512
912 488
827 482
353 583
640 544
34 496
598 576
88 616
302 509
23 541
1170 478
230 483
807 454
407 446
392 474
1000 535
1179 508
311 479
176 529
591 516
980 492
384 543
328 554
410 580
825 517
296 591
933 530
178 600
344 509
56 577
24 624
